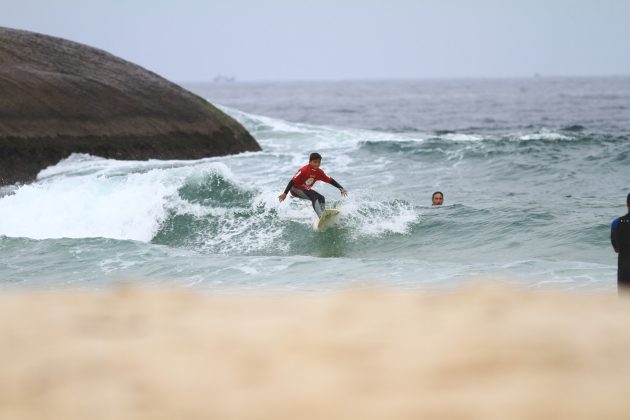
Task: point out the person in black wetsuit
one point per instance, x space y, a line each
620 238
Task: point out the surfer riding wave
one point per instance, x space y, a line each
302 183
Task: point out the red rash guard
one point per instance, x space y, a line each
306 177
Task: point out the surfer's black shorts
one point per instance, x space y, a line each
318 200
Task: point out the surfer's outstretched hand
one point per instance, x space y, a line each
344 192
282 196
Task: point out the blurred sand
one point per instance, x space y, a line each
478 353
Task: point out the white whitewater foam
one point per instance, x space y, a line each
461 137
124 208
545 135
373 218
84 196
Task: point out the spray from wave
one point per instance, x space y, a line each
199 205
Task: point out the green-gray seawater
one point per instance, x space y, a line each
533 172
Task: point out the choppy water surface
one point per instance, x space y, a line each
533 172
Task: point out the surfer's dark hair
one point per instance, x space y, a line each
314 156
628 200
437 192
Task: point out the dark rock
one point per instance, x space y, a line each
59 97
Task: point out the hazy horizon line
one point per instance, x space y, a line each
536 76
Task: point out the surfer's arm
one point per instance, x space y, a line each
289 185
282 196
334 183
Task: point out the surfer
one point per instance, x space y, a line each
620 238
302 182
437 198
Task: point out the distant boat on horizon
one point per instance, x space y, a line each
219 78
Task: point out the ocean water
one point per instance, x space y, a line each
533 171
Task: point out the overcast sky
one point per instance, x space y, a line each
194 40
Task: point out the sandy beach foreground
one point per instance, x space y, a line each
478 353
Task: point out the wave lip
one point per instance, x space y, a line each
85 197
127 208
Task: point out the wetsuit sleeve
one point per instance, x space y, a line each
289 185
613 231
335 184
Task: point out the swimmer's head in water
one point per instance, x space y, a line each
437 199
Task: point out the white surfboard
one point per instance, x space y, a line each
329 218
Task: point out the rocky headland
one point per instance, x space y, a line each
59 97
